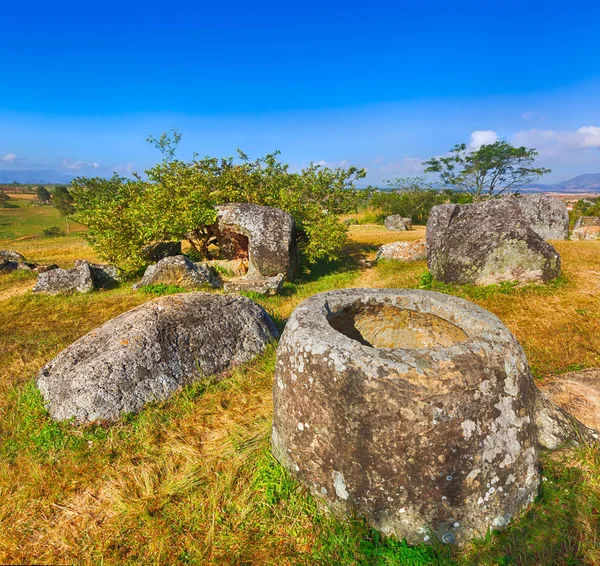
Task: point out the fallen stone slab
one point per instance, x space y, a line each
548 216
265 236
263 285
416 410
403 251
398 222
180 271
487 243
56 281
149 352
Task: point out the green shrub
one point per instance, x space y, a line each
52 232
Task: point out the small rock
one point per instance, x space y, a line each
76 280
586 233
397 222
9 255
263 285
403 251
105 276
180 271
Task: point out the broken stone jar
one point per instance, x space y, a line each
412 408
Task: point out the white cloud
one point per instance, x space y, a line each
482 137
128 168
70 164
9 158
554 143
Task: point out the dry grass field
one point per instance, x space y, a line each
191 480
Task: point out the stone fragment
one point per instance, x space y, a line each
9 255
265 236
586 233
397 222
76 280
105 276
149 352
263 285
548 216
411 408
403 251
180 271
487 243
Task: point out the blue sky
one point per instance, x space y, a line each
381 85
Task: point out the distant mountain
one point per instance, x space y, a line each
29 177
589 182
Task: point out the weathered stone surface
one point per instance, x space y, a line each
548 216
76 280
233 267
104 276
9 255
412 408
156 252
403 251
586 233
147 353
397 222
583 221
264 285
487 243
178 270
267 235
577 393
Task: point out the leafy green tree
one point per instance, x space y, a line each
63 202
413 197
3 199
488 171
43 195
584 208
177 199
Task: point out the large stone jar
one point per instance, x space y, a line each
413 408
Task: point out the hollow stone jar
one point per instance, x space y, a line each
413 408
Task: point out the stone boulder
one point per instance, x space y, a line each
148 353
104 276
487 243
262 285
584 221
586 233
9 255
403 251
397 222
77 280
414 409
10 266
160 250
178 270
548 216
265 235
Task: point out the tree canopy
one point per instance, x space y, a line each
42 194
177 199
488 171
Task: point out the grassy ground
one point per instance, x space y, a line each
191 480
22 218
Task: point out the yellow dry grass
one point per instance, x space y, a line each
190 481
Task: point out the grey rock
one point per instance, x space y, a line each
397 222
149 352
160 250
548 216
487 243
178 270
10 266
76 280
583 221
104 276
411 408
9 255
588 232
267 236
403 251
263 285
